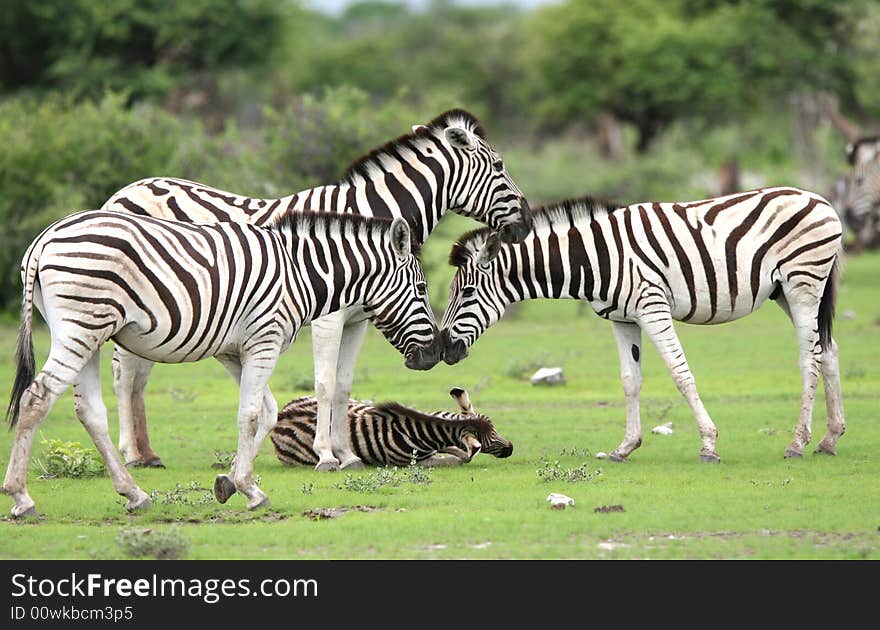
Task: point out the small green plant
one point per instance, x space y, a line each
574 451
308 488
391 476
68 459
193 494
553 471
182 395
164 544
223 459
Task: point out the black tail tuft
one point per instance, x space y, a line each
24 374
827 304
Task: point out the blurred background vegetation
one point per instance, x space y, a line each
636 100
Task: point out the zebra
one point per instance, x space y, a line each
390 434
444 165
176 292
861 203
644 265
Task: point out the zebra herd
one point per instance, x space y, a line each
174 271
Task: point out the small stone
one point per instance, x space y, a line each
663 429
848 315
548 376
559 501
601 455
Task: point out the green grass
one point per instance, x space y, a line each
755 504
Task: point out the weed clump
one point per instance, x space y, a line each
553 471
68 459
193 494
168 544
390 476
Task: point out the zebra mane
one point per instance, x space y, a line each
469 244
479 422
361 166
298 221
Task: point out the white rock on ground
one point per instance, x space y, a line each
559 501
663 429
548 376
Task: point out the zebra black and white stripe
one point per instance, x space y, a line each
175 292
444 165
645 265
390 434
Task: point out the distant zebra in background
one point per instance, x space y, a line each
645 265
178 292
389 434
861 203
444 165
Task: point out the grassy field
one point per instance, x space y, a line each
755 504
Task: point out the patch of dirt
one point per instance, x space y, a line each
604 509
321 514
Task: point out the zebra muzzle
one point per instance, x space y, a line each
427 356
453 351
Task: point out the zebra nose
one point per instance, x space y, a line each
427 356
453 351
507 451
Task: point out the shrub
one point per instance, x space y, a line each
69 459
167 544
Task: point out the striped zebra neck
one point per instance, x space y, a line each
325 274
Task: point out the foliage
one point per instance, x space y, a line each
553 471
386 476
161 544
141 46
652 63
193 494
69 459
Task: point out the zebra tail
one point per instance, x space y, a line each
827 304
24 353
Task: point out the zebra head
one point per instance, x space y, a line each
398 304
862 196
475 300
480 435
479 185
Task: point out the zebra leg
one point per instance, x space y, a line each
836 425
326 340
92 413
340 434
252 422
629 347
803 315
130 374
660 330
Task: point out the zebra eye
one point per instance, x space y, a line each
422 288
498 166
468 292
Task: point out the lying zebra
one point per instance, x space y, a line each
390 434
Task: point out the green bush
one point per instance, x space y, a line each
60 157
69 459
167 544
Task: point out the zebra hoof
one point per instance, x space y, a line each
709 458
791 453
223 488
329 466
618 459
135 463
825 449
154 463
354 464
258 502
139 504
28 512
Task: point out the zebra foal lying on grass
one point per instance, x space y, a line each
389 434
645 265
175 292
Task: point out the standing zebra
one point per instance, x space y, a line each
177 292
645 265
861 203
445 165
390 434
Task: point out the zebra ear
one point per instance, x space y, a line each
400 238
419 128
473 446
460 396
849 152
490 249
460 138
